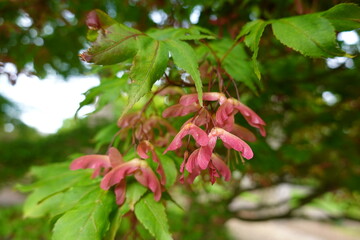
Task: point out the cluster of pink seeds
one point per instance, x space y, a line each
217 124
206 126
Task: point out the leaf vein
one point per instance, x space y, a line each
301 31
155 215
151 68
116 43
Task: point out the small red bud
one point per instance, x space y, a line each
92 21
85 57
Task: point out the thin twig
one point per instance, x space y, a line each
234 83
218 62
152 97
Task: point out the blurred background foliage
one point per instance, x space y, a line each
311 107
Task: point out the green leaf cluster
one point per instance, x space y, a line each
236 62
313 35
152 215
148 53
79 207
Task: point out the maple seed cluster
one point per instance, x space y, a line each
217 124
206 126
115 169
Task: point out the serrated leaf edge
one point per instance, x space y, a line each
155 215
304 33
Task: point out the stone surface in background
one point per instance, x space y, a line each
293 229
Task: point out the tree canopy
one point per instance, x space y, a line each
269 81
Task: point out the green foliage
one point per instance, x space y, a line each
200 220
152 215
14 226
106 92
253 32
344 17
105 135
71 197
192 33
148 66
91 219
311 35
171 170
339 204
134 193
309 140
54 180
236 62
185 58
117 43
